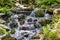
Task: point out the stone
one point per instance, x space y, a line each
44 21
55 5
40 13
2 14
2 21
50 11
56 12
12 31
38 37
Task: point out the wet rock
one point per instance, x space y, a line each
13 25
22 22
30 20
7 30
44 21
38 37
21 16
40 13
12 31
26 35
24 12
24 28
50 11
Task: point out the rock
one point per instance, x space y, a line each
50 11
2 21
22 22
55 5
2 14
38 37
13 9
56 12
30 20
12 31
44 21
21 16
40 13
13 25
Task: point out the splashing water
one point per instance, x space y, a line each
27 34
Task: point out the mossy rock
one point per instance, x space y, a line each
40 13
44 22
22 22
8 37
36 37
12 31
30 20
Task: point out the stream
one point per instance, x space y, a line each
27 30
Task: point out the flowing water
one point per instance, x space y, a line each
30 29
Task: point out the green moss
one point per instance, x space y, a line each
40 13
12 31
8 37
4 10
2 31
21 22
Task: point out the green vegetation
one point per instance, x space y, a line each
49 35
3 29
46 2
4 10
8 37
40 13
12 31
6 3
50 30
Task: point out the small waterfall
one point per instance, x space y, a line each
47 15
31 31
34 12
